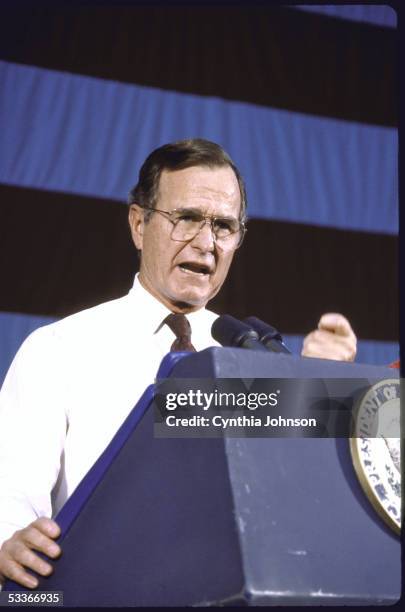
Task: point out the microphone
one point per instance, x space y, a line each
229 331
268 335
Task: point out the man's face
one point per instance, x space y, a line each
186 275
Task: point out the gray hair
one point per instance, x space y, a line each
177 156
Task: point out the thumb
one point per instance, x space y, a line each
336 323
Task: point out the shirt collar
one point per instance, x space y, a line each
153 311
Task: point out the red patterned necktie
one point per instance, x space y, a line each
180 326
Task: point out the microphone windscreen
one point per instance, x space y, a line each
229 331
268 335
262 328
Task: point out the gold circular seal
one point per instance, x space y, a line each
376 449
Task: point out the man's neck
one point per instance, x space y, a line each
175 307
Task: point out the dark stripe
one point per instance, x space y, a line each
290 274
63 252
269 56
67 252
297 167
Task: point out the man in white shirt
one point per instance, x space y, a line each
73 383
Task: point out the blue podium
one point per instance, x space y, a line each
229 521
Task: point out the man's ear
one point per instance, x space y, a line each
136 223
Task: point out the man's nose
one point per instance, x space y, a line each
205 238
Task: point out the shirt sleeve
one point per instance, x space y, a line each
33 428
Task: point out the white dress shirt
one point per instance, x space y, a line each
68 390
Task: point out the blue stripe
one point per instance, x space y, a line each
89 136
14 328
382 15
373 352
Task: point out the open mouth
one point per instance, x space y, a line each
195 268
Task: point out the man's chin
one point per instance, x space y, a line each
190 301
187 306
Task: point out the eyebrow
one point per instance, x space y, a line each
190 209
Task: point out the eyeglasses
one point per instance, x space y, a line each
187 223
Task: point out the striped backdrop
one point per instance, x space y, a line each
303 98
